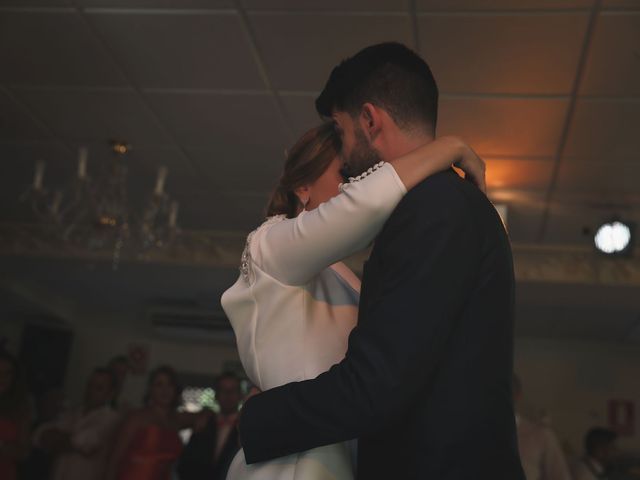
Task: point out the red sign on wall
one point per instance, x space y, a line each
622 418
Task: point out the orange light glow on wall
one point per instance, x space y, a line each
525 174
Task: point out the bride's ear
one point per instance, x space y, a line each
304 194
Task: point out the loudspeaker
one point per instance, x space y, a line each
44 352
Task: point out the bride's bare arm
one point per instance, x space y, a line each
439 155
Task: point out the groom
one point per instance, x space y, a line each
426 381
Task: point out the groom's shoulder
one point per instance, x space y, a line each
439 196
443 192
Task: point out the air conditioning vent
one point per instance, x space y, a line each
190 324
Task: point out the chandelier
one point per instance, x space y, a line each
94 212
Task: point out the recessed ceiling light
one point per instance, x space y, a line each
614 238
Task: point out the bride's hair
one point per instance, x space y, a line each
306 161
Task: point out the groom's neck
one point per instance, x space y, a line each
401 143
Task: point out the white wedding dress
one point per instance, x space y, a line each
293 307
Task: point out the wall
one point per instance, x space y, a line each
10 332
97 341
570 383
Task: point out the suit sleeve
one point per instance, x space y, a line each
427 257
295 250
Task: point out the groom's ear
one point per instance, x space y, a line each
370 120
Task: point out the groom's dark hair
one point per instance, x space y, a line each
388 75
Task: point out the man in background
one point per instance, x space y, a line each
119 366
600 448
540 452
210 451
78 439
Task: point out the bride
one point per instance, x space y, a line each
295 303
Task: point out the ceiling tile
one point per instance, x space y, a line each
503 53
621 3
182 51
225 212
335 5
95 116
605 130
52 49
301 49
455 5
497 127
599 177
36 3
242 170
16 124
177 4
222 123
19 160
613 65
301 111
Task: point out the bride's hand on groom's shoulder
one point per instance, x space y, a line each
472 165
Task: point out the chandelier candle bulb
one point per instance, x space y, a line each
83 154
57 201
173 214
162 176
39 175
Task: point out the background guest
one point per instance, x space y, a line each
79 438
540 452
14 417
147 444
119 366
38 464
210 451
600 448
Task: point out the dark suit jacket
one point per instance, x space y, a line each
196 461
426 381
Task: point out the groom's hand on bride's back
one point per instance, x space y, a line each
253 391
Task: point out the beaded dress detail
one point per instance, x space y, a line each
245 261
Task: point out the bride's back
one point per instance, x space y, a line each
288 333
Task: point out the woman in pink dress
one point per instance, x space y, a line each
147 444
